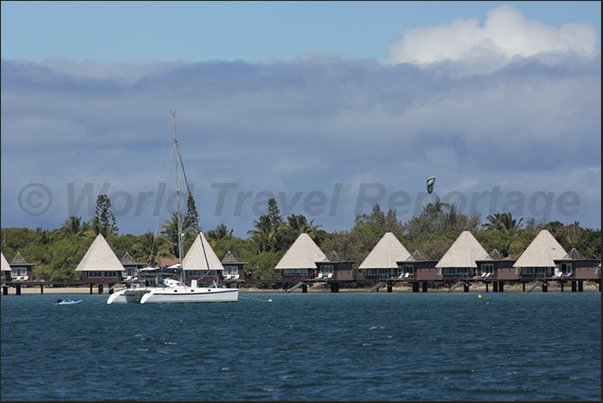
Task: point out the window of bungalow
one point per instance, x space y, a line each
100 274
458 271
295 272
487 268
200 273
407 268
130 271
378 272
231 270
565 268
326 269
534 270
19 271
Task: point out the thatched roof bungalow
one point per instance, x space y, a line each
99 264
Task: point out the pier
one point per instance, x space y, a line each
18 285
334 285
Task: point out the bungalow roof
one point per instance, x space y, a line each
128 259
495 255
541 252
229 258
303 254
417 256
19 261
463 252
386 254
574 254
200 255
333 257
100 256
5 266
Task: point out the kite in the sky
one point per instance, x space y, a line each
430 183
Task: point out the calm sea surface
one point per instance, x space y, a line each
314 346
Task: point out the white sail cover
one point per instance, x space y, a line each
100 256
463 252
386 254
541 252
303 254
195 259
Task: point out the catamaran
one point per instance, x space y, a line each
200 258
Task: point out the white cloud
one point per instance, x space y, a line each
506 34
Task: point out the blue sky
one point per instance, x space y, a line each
328 106
251 31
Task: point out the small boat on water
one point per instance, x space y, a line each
67 301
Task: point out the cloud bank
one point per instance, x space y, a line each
505 35
477 108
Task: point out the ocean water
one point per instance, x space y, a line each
314 346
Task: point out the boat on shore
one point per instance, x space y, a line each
200 258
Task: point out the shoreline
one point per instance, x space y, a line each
475 287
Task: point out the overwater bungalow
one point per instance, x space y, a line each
537 262
233 269
131 267
100 265
388 260
20 269
460 260
302 260
424 269
574 266
496 267
336 268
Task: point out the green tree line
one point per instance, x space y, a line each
58 252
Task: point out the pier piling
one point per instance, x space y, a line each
335 287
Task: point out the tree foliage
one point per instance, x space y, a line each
58 252
104 220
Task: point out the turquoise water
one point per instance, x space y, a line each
314 346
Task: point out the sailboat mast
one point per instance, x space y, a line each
178 214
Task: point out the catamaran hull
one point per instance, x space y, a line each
167 296
162 296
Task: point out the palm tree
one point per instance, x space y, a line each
264 234
298 224
502 222
73 226
151 248
169 235
220 232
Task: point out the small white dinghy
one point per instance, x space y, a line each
67 301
